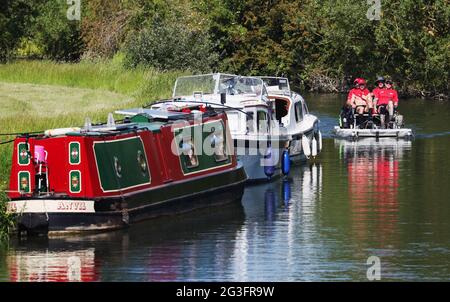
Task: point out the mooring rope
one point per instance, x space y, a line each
7 142
20 133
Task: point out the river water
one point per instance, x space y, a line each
388 199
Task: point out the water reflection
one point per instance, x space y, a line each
166 249
279 223
373 183
286 192
387 198
53 266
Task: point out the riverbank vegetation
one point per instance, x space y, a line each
321 45
6 221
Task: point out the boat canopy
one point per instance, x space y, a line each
218 83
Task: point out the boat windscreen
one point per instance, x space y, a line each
217 84
238 85
186 86
277 85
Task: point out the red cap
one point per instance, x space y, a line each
359 81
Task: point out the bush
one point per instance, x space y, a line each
6 220
170 46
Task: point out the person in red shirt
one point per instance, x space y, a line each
376 92
387 100
360 98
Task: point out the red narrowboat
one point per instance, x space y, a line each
108 176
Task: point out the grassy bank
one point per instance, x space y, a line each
140 84
39 95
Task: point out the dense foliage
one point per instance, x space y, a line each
168 45
15 16
319 44
6 221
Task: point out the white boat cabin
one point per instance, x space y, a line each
290 109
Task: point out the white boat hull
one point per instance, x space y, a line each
403 133
254 168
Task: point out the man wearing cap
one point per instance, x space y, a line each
360 98
387 99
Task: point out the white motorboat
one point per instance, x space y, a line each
259 140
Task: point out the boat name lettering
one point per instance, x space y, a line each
71 206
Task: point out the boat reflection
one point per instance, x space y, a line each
373 169
62 266
278 216
267 199
165 249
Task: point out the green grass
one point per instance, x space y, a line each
142 84
17 99
40 95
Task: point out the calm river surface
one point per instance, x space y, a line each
389 199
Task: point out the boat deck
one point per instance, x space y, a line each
403 133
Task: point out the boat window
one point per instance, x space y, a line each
262 122
250 122
298 112
281 109
277 85
189 154
305 108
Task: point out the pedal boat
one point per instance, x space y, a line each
103 177
373 129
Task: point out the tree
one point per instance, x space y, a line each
59 37
15 16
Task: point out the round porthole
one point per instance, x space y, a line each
117 167
142 162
